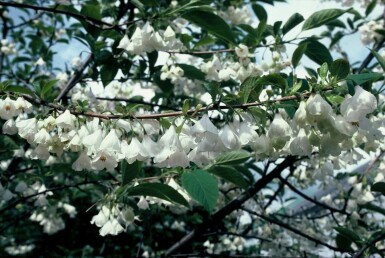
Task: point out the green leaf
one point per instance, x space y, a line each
230 174
232 157
372 207
277 27
192 72
47 88
370 7
212 23
248 86
343 242
322 17
359 79
379 58
275 80
159 190
260 12
108 73
202 187
323 71
340 69
260 30
130 171
298 53
317 52
7 143
349 234
19 89
293 21
378 187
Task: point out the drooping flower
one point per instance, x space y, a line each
8 109
279 132
300 145
66 120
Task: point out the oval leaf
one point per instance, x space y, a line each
298 53
293 21
318 53
212 23
321 17
202 187
230 174
159 190
232 157
340 69
378 187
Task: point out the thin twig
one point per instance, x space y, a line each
77 75
294 230
160 115
368 245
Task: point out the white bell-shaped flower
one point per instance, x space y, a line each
358 106
104 160
9 127
229 138
66 120
317 108
102 217
8 109
42 137
112 227
279 132
27 128
246 133
82 162
22 105
134 151
300 145
300 117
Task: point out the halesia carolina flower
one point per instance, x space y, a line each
8 109
82 162
9 127
301 145
112 227
134 151
66 120
242 51
104 160
229 138
279 132
358 106
172 154
317 108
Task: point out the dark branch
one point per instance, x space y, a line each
75 78
294 230
232 206
95 22
311 199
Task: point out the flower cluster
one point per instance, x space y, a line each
146 39
369 32
110 220
236 15
7 48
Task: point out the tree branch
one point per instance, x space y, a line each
75 77
160 115
294 230
232 206
283 180
95 22
359 253
22 199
